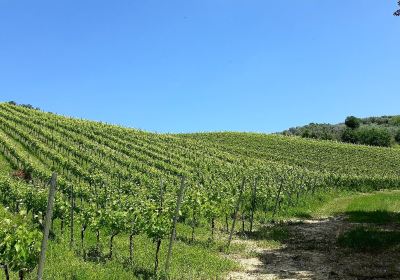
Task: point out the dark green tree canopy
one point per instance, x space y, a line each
374 136
397 136
352 122
349 136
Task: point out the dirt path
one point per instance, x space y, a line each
311 252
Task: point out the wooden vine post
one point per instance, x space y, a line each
159 240
277 198
239 201
71 241
175 220
49 215
253 203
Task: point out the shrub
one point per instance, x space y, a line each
316 131
395 121
349 136
374 136
397 136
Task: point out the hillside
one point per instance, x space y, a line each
87 148
124 182
310 154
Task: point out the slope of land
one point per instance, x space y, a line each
306 153
119 187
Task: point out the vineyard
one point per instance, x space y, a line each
121 189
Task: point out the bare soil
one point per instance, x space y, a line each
312 252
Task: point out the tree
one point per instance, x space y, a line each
397 13
374 136
349 136
352 122
397 136
395 121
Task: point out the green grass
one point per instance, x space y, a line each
376 207
274 232
191 261
270 236
308 206
372 211
375 212
201 259
376 217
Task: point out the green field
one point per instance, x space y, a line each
117 185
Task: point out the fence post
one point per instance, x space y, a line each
253 203
71 241
277 198
49 214
236 211
175 220
159 240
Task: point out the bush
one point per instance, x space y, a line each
374 136
397 136
350 136
352 122
395 121
317 131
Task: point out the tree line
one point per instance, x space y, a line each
374 131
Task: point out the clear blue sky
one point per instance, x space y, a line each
206 65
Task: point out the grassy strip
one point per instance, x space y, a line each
378 216
376 207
